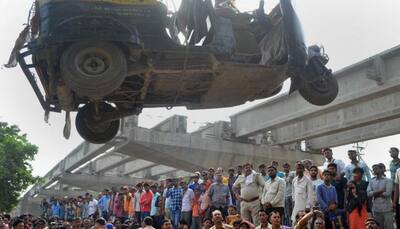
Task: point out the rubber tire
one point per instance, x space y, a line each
82 123
310 92
100 85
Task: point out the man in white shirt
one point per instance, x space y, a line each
165 200
327 152
263 218
92 206
187 203
315 181
218 221
273 197
138 195
302 192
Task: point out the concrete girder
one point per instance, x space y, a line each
190 153
98 182
173 124
137 165
174 173
161 170
368 94
78 157
153 170
377 130
111 162
62 193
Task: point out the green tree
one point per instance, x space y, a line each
15 170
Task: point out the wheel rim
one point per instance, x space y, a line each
321 85
93 62
97 128
90 129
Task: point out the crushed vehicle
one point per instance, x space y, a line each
107 59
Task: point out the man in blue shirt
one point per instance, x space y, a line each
55 208
195 184
326 192
155 206
355 163
175 204
103 204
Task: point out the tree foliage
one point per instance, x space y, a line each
15 170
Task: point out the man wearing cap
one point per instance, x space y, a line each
328 154
249 184
380 190
147 223
195 181
273 197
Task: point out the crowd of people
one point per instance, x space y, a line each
333 195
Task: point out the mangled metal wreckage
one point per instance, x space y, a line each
108 59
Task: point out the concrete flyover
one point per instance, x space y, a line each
140 154
367 107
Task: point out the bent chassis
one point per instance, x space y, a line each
234 65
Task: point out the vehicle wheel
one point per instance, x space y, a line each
93 69
320 91
90 130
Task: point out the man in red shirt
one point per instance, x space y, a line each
145 201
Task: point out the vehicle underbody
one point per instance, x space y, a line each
109 60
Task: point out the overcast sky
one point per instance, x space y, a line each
350 30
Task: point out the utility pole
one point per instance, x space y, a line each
359 148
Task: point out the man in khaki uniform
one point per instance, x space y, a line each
250 184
